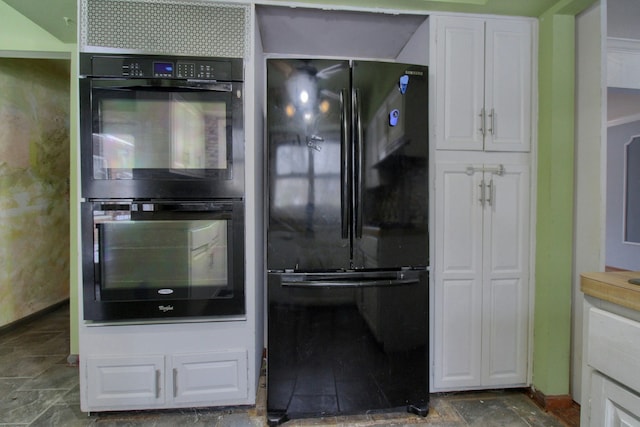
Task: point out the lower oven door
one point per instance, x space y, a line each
157 260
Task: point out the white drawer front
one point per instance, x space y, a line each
614 347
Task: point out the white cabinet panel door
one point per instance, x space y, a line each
458 277
483 84
481 276
125 382
212 377
508 85
613 405
460 83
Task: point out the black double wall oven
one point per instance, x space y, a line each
162 172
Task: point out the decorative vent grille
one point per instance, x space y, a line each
197 28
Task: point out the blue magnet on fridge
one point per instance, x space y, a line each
393 117
404 82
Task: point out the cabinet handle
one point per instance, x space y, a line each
158 386
175 382
492 115
482 193
482 121
491 193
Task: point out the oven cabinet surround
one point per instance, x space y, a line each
484 83
481 273
155 366
611 350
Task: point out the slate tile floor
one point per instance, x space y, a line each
39 388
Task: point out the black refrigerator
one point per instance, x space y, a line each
347 238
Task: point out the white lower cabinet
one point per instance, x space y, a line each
611 366
481 271
209 377
156 381
125 381
613 405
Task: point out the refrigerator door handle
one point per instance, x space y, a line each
348 284
359 174
344 161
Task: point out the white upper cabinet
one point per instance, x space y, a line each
483 84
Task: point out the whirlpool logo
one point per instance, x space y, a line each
165 308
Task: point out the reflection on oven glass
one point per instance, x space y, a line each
185 258
180 134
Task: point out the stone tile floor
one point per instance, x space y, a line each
39 388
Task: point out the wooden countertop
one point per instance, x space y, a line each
613 287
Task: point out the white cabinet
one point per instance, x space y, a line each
481 270
125 381
209 376
611 364
158 381
613 405
483 83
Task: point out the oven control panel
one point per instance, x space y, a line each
158 67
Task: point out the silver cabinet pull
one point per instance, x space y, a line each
158 387
482 121
482 193
491 193
492 116
175 382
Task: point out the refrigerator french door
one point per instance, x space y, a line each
347 236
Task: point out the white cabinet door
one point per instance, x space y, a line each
481 276
508 86
458 277
209 377
459 83
505 276
613 405
483 84
140 382
125 382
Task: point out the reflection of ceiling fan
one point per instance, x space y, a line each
302 80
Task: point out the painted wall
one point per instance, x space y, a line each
21 38
20 35
34 185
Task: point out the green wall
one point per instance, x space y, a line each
555 198
554 236
18 34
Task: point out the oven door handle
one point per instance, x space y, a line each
191 86
192 207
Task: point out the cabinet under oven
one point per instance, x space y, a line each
145 259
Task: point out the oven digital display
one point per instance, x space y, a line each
164 69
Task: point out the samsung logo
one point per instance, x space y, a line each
414 73
165 308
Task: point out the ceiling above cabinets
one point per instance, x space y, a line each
335 33
58 17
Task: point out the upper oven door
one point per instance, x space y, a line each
161 138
